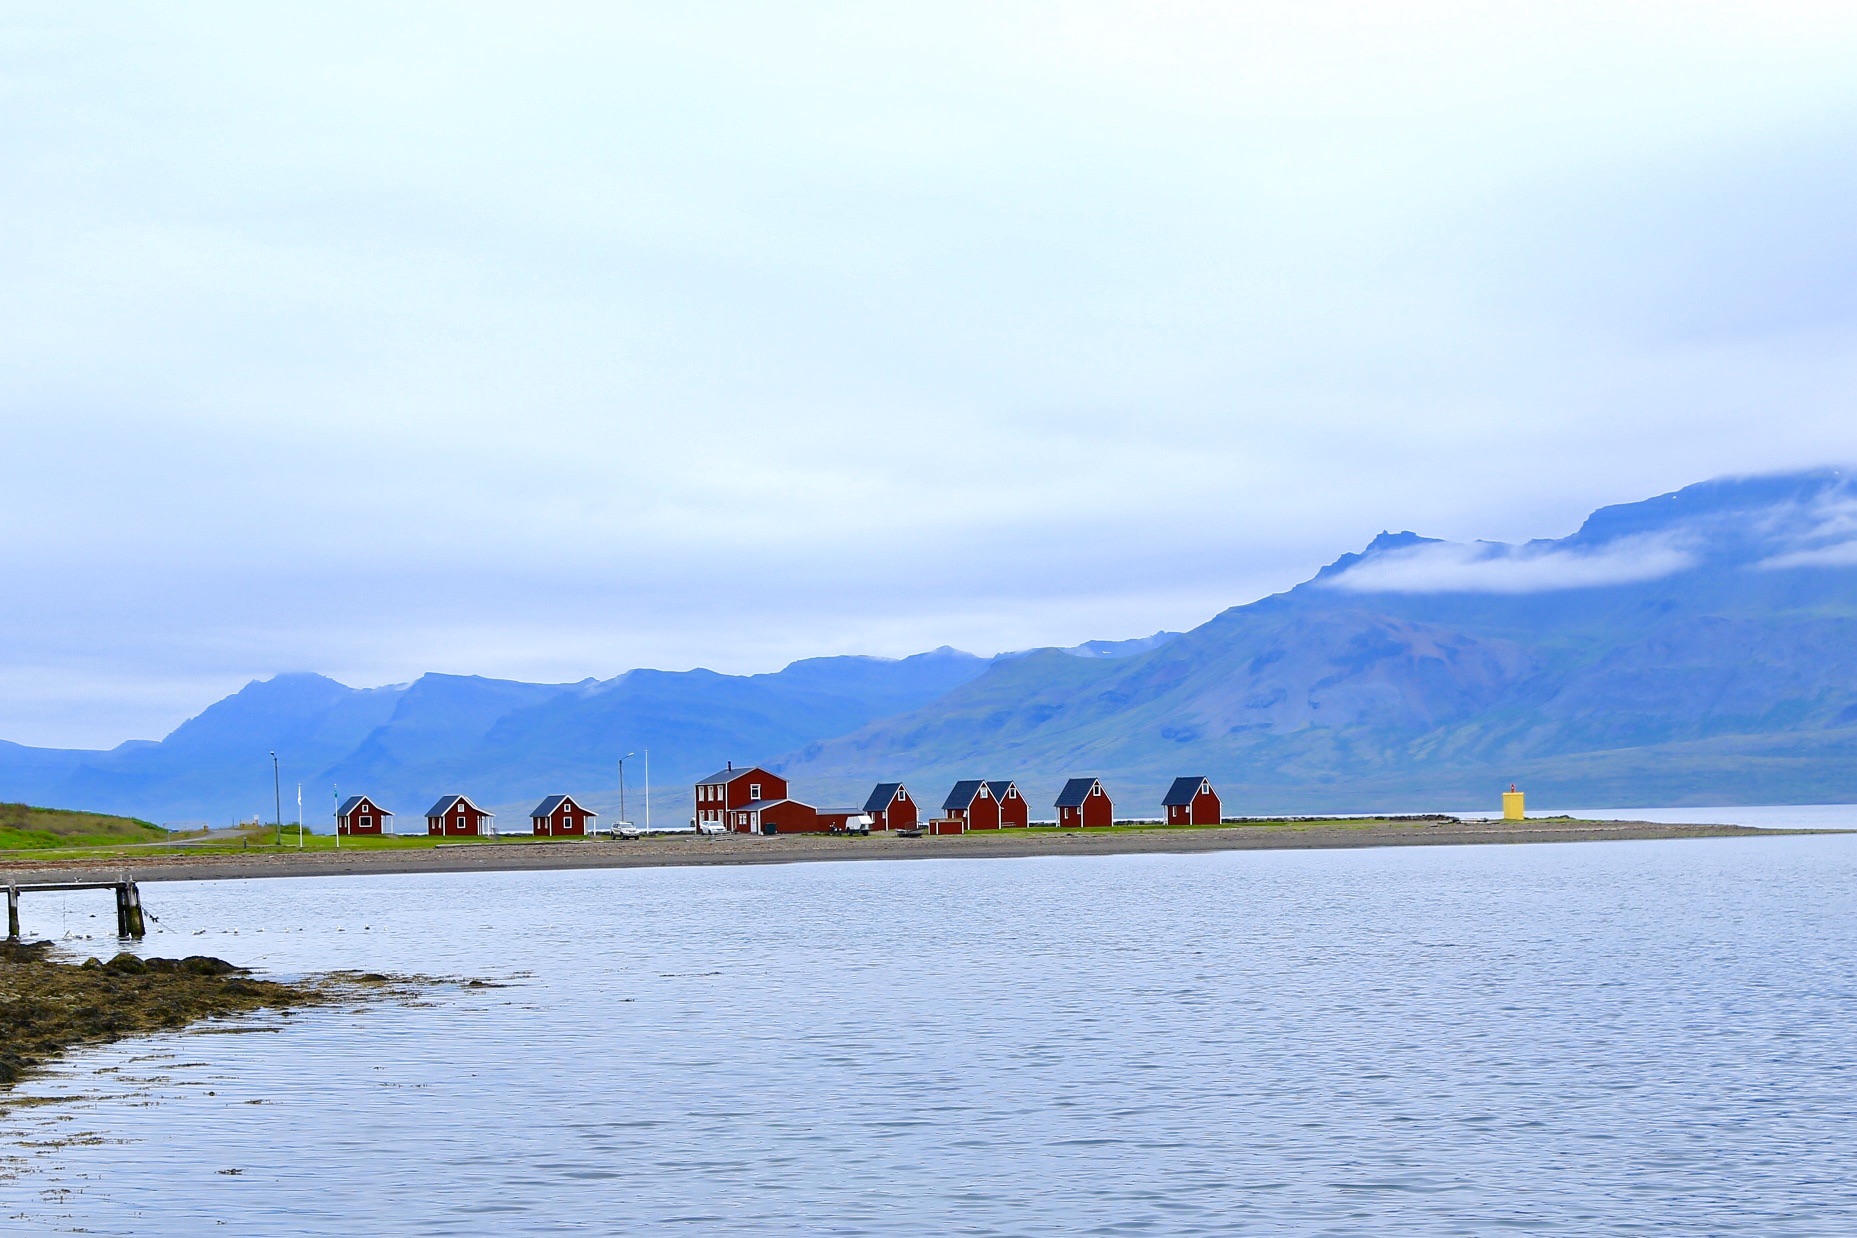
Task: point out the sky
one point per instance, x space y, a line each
548 341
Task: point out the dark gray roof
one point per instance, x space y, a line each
881 795
446 801
353 802
547 807
1074 792
999 788
730 775
1182 792
962 795
758 805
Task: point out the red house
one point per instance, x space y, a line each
971 803
559 816
1084 804
719 796
890 808
1014 812
1192 801
454 816
361 815
781 816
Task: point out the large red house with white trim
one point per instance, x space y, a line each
1191 801
361 815
559 816
721 797
454 816
1084 804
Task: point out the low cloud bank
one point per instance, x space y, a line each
1496 567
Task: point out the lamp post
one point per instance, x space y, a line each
277 797
622 821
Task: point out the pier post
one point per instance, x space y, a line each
122 911
12 911
132 904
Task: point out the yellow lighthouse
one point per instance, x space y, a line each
1512 804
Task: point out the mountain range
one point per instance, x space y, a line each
1698 647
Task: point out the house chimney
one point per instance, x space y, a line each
731 768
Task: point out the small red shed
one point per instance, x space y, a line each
972 804
890 808
559 816
1192 801
454 816
361 815
1014 812
719 796
1084 804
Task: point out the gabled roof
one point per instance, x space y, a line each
730 775
446 801
881 796
355 801
963 794
547 807
1074 792
1182 792
758 805
1000 787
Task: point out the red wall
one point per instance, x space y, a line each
567 821
791 818
983 814
448 825
1013 810
900 815
1098 812
366 808
1206 810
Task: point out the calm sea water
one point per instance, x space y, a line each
1593 1038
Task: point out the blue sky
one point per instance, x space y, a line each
549 341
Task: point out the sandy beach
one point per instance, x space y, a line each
686 850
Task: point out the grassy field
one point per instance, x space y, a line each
23 827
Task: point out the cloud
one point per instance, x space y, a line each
1820 534
1496 567
1839 554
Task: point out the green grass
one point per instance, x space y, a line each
23 827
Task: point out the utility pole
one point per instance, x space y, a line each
277 797
647 790
335 797
299 816
622 818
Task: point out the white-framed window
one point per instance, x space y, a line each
754 790
902 796
367 823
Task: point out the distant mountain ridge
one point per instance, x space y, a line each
1695 647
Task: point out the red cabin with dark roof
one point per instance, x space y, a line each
454 816
1014 812
1084 804
721 795
890 808
1192 801
971 803
559 816
361 815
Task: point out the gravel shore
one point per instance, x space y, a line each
685 850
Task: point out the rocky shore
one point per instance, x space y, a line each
48 1006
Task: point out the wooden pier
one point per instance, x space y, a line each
128 902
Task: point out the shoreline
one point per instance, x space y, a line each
680 851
